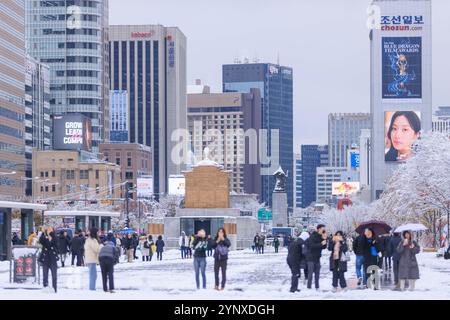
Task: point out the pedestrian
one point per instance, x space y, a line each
32 239
92 250
128 246
63 246
358 249
338 260
108 257
183 242
159 248
199 246
209 251
76 247
135 245
371 249
49 257
145 248
151 244
16 241
393 245
387 254
221 244
191 239
303 264
315 244
262 240
256 243
293 260
276 244
408 268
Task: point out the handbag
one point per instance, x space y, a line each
345 257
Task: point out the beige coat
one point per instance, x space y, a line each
91 251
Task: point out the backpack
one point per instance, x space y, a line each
222 252
146 246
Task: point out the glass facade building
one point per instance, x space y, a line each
344 130
275 83
119 116
71 36
12 104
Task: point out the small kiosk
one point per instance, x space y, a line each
83 220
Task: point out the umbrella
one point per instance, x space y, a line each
411 227
379 227
127 231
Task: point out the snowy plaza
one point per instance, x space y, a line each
250 276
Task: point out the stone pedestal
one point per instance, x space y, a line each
279 209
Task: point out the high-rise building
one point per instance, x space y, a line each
401 84
298 181
275 83
220 121
37 114
344 130
72 38
118 100
324 181
12 93
149 62
441 120
312 157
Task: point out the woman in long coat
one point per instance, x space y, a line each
408 268
338 247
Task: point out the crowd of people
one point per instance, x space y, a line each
382 252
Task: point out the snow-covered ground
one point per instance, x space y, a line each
250 276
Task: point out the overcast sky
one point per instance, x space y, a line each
325 41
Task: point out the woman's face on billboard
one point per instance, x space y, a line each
402 135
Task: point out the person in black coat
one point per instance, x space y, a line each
135 245
393 245
387 253
371 248
221 244
358 249
294 260
63 246
49 258
338 247
315 244
77 248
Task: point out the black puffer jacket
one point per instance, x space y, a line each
77 244
63 244
315 247
295 253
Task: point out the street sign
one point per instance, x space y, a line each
265 214
24 263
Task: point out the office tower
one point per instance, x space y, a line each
72 38
275 84
312 157
37 114
221 122
298 181
401 83
324 181
149 62
344 130
118 105
12 105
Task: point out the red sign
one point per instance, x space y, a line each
142 34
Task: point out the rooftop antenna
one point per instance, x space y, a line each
278 58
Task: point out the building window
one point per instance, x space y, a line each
84 174
97 174
97 188
53 188
118 161
70 174
46 188
53 173
129 162
42 174
129 175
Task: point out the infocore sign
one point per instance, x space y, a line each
142 34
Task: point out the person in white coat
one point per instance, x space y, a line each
184 244
91 250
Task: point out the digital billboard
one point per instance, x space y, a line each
354 160
402 67
401 129
344 188
72 132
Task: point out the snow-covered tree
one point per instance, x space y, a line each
421 184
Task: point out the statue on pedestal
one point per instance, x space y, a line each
280 184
